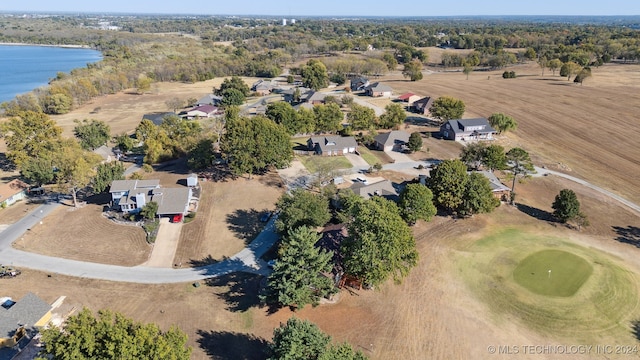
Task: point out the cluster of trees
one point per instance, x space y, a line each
251 145
380 243
493 157
361 117
36 146
112 336
173 138
234 91
456 191
301 339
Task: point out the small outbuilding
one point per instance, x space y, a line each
192 180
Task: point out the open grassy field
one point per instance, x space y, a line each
589 131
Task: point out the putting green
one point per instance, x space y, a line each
553 273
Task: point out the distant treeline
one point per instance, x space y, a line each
182 48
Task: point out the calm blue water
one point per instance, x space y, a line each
24 68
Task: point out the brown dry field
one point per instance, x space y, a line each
227 219
84 234
432 314
588 131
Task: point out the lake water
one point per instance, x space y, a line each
24 68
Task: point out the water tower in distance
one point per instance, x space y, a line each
293 21
284 22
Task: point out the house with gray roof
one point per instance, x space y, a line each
209 99
358 83
391 141
329 145
467 129
130 196
28 313
378 90
316 98
262 87
157 117
499 190
382 188
200 111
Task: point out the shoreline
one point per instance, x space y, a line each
48 45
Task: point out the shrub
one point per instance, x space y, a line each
509 75
147 168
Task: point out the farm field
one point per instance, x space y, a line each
588 131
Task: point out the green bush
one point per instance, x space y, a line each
509 75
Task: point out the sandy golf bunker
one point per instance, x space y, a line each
553 273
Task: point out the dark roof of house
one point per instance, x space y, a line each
480 125
332 237
406 96
359 80
127 185
157 117
316 96
171 200
423 103
383 188
392 137
209 99
26 312
207 109
334 142
378 87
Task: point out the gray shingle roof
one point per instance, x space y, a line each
171 200
334 142
158 117
378 87
127 185
392 137
28 311
495 183
383 188
481 125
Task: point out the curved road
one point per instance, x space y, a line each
247 260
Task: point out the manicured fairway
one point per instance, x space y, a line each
553 273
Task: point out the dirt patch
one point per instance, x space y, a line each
228 218
16 212
84 234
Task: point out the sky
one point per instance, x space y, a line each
335 7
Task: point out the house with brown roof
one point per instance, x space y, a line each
422 105
330 145
378 90
12 192
391 141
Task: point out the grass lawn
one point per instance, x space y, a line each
368 156
315 163
373 157
588 291
553 273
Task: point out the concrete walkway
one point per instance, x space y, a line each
166 244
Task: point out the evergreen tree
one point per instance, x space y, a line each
566 205
302 208
298 276
415 142
106 173
448 182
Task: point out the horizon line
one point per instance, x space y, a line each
69 12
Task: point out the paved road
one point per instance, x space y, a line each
245 261
166 244
633 206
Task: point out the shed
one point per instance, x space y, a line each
192 180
